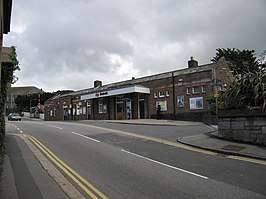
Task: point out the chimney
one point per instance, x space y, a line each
97 83
192 63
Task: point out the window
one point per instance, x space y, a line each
188 90
195 89
196 103
163 105
161 93
180 101
203 89
155 95
167 93
102 106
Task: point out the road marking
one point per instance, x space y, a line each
179 145
21 131
57 127
175 144
18 129
166 165
257 161
65 185
68 170
85 136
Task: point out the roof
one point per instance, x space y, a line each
24 90
202 68
124 84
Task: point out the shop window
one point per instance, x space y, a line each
203 89
196 103
102 106
195 89
163 105
188 90
161 93
155 95
167 93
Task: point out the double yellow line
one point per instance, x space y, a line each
84 184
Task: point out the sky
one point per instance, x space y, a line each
68 44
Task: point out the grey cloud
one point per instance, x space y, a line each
68 44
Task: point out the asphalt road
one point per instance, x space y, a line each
121 163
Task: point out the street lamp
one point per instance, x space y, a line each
31 101
30 107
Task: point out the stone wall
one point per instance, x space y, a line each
243 125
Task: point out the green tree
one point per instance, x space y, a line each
7 76
246 91
262 60
23 101
240 61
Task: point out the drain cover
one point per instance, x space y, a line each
233 148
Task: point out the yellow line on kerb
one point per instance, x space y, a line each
179 145
68 170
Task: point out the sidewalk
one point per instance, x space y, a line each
23 176
208 141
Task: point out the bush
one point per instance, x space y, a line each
248 90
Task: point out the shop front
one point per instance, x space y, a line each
119 103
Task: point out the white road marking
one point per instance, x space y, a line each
166 165
85 136
21 131
57 127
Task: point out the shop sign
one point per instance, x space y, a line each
101 94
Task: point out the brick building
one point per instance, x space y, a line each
181 94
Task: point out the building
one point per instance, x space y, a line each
5 14
13 92
181 94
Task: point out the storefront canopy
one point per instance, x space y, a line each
119 91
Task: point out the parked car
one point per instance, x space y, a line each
14 117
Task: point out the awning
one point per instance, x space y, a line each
119 91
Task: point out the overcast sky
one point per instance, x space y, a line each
67 44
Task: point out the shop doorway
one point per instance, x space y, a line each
120 114
120 108
141 110
89 112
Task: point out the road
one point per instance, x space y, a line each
130 161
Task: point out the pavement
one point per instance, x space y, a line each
26 173
21 161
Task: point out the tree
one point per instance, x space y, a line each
23 101
246 91
239 61
262 60
7 76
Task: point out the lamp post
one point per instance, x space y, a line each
30 105
31 101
